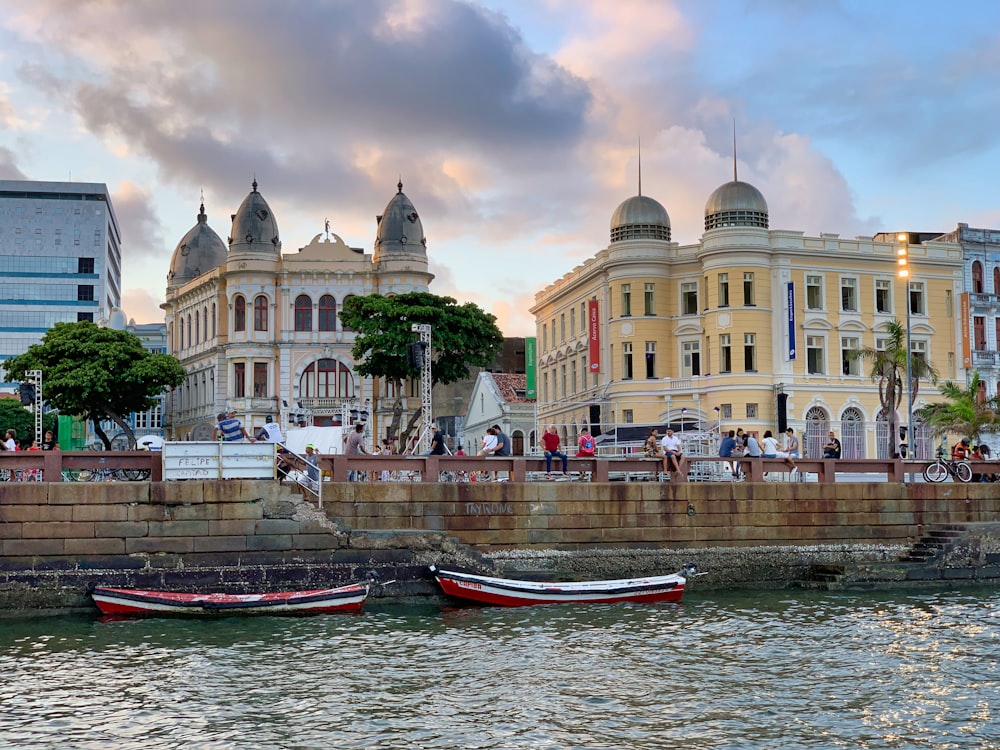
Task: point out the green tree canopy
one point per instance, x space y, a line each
20 418
462 336
97 373
967 411
888 369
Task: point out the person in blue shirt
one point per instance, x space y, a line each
503 442
230 428
727 445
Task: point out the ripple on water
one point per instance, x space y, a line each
719 671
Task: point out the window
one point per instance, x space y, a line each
628 416
815 361
947 303
572 321
850 364
562 327
996 326
751 411
814 292
239 313
917 304
689 298
213 320
572 375
979 332
725 353
197 329
996 280
260 379
977 277
562 373
327 313
883 296
750 352
583 317
80 317
849 295
748 297
627 360
726 411
260 313
545 333
626 300
650 359
327 378
918 351
85 293
85 265
648 301
690 358
723 290
239 379
303 313
545 387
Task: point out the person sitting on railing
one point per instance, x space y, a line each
832 448
550 442
652 448
585 446
961 450
673 452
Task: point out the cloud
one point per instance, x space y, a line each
142 306
8 166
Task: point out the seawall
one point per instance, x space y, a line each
58 539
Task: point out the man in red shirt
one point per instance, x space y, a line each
550 442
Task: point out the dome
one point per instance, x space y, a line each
399 228
199 251
254 226
640 217
736 204
116 320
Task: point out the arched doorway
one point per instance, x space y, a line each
517 443
852 434
817 429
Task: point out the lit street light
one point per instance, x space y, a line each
903 262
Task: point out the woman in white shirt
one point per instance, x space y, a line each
489 443
770 450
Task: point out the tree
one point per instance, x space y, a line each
20 418
97 374
888 368
966 412
462 336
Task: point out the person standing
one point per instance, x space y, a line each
312 465
11 439
230 429
271 432
354 445
550 442
437 442
49 442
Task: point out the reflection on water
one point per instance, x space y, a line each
718 671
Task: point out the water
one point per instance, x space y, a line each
776 670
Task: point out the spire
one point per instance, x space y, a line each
640 165
399 185
254 183
201 209
734 151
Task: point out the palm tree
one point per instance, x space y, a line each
888 368
967 411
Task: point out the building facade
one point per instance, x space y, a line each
60 258
749 327
258 331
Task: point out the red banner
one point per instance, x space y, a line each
594 332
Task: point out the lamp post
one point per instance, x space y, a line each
903 261
718 419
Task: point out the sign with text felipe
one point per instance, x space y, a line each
594 334
530 368
966 338
791 320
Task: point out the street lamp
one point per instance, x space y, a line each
718 418
903 262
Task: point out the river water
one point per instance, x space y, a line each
774 670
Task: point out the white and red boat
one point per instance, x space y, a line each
348 598
516 593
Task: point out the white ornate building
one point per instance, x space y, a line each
258 331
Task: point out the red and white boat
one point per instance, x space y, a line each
514 593
348 598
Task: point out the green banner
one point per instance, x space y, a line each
530 368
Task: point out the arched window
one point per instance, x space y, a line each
327 313
180 330
303 313
343 327
260 313
197 328
213 320
204 322
977 277
189 339
816 432
239 313
996 279
327 378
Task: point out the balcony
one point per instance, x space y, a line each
983 300
253 404
324 405
984 357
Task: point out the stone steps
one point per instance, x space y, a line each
935 541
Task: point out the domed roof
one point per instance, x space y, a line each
254 226
640 217
199 251
399 228
116 320
736 204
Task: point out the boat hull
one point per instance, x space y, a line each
113 601
513 593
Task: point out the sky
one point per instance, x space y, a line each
514 125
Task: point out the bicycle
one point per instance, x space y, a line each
943 468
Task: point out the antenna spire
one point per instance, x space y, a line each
735 179
640 165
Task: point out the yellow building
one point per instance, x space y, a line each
745 323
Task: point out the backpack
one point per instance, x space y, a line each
588 444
